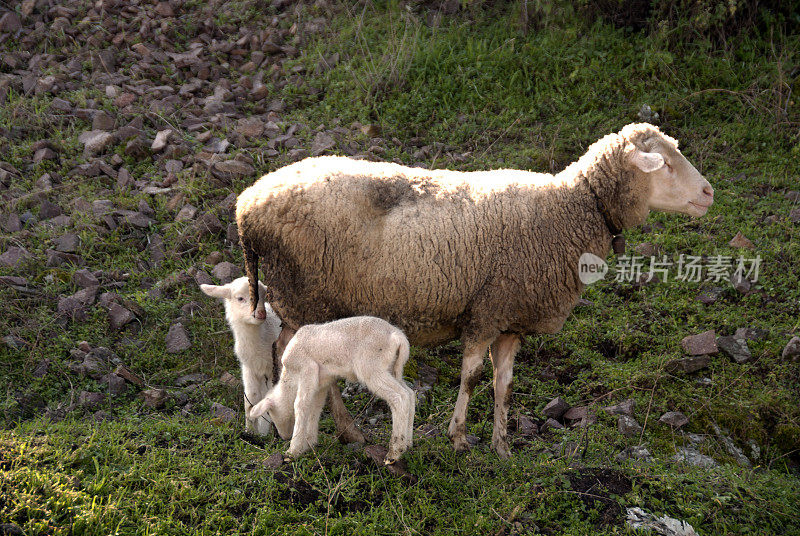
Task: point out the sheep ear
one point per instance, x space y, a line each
262 407
262 287
647 162
216 291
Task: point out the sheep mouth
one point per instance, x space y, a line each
702 209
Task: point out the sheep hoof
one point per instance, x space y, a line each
503 450
352 435
461 445
389 461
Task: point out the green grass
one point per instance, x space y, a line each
481 94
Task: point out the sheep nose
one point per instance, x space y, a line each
708 190
261 314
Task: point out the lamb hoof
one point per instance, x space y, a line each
389 460
460 444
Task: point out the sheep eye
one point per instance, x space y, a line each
240 298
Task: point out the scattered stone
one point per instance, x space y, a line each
579 413
177 340
734 348
692 456
193 378
642 522
250 127
129 376
628 426
155 398
11 529
792 350
83 278
45 153
740 283
675 419
636 452
741 241
156 249
322 142
67 243
226 272
14 342
103 121
623 408
526 426
14 257
556 408
232 169
687 365
88 399
731 447
214 258
116 384
700 344
119 316
273 461
162 138
753 334
164 9
552 423
224 413
186 213
794 215
646 250
10 23
96 141
229 379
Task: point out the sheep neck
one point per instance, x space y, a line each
617 240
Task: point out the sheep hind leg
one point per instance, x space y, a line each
399 398
346 429
504 348
471 368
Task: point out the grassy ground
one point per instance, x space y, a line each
465 91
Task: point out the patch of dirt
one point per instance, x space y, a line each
296 491
596 486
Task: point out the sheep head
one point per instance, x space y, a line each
673 182
236 296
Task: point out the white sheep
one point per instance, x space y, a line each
253 337
485 256
364 349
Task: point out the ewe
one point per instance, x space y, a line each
364 349
484 257
253 335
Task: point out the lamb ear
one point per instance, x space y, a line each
261 408
647 162
216 291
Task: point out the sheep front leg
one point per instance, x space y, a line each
504 348
474 351
308 405
256 386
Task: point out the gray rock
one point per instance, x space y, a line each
526 426
734 348
753 334
96 141
700 344
208 225
692 456
155 398
84 278
227 272
636 452
792 349
580 414
555 409
49 210
177 340
552 423
687 365
193 378
41 369
250 127
232 169
14 257
628 426
103 121
740 283
156 249
322 142
10 23
119 316
732 449
162 138
675 419
186 213
88 399
67 243
223 413
14 342
116 384
625 407
128 375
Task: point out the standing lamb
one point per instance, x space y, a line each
484 257
364 349
253 335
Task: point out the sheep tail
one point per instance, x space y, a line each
402 355
251 268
